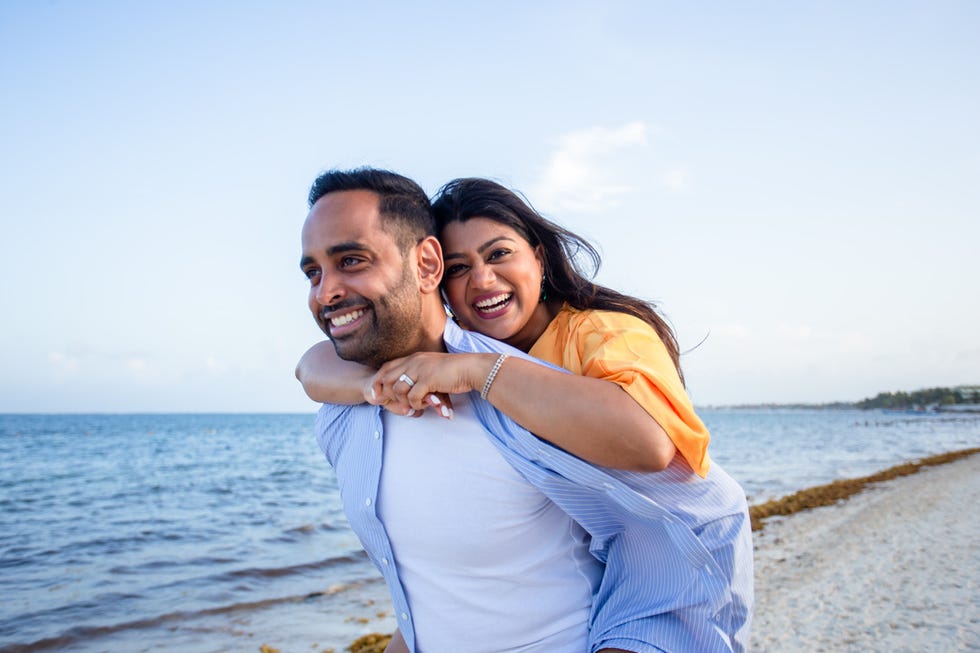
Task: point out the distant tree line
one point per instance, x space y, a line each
923 398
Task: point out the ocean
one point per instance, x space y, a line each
206 533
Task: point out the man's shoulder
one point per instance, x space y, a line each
336 426
459 340
331 413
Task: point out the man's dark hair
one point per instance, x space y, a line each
403 204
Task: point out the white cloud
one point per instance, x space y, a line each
677 179
581 172
795 332
63 365
140 368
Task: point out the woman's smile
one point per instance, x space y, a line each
489 307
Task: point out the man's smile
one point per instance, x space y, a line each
343 321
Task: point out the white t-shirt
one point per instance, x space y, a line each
488 563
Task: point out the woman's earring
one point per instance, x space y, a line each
544 291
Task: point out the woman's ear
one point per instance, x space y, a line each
539 255
430 265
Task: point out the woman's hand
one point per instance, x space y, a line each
425 380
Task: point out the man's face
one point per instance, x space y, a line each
364 293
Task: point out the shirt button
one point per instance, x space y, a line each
367 502
384 561
404 616
377 434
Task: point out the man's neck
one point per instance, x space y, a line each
433 326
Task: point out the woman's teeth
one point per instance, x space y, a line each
493 303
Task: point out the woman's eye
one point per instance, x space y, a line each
498 253
455 270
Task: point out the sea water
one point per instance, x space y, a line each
208 533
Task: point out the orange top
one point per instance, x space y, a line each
627 351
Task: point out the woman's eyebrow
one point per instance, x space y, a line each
485 246
482 248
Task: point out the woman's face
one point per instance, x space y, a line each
493 281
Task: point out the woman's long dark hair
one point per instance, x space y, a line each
463 199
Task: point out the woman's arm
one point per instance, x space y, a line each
327 378
397 643
591 418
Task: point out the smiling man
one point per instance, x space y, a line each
365 273
476 558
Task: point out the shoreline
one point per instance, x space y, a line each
818 575
893 567
843 489
886 561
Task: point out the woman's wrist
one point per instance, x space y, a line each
491 377
478 369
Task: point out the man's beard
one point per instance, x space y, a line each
396 322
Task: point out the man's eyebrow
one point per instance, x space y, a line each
339 248
349 246
482 248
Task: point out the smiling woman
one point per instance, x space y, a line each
495 282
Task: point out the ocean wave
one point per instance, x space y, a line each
79 634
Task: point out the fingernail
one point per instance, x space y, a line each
373 394
434 400
410 413
447 412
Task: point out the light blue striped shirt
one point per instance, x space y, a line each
677 547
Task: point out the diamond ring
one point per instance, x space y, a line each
407 379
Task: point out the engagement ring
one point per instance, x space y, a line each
407 379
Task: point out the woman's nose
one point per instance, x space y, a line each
482 276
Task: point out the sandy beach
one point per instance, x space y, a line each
894 568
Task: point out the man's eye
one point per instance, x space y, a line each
349 261
311 273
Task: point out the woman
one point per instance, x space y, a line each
511 274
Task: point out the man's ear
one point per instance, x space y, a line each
429 253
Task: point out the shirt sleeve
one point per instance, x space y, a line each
626 351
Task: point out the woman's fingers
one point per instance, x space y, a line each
441 403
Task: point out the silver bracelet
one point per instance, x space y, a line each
493 375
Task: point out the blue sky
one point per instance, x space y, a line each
797 181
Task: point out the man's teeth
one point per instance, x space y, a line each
346 318
493 301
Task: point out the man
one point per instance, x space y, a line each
475 557
475 524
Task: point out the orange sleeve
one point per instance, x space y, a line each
627 351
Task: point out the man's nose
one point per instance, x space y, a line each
328 291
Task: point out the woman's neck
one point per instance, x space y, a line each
536 325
